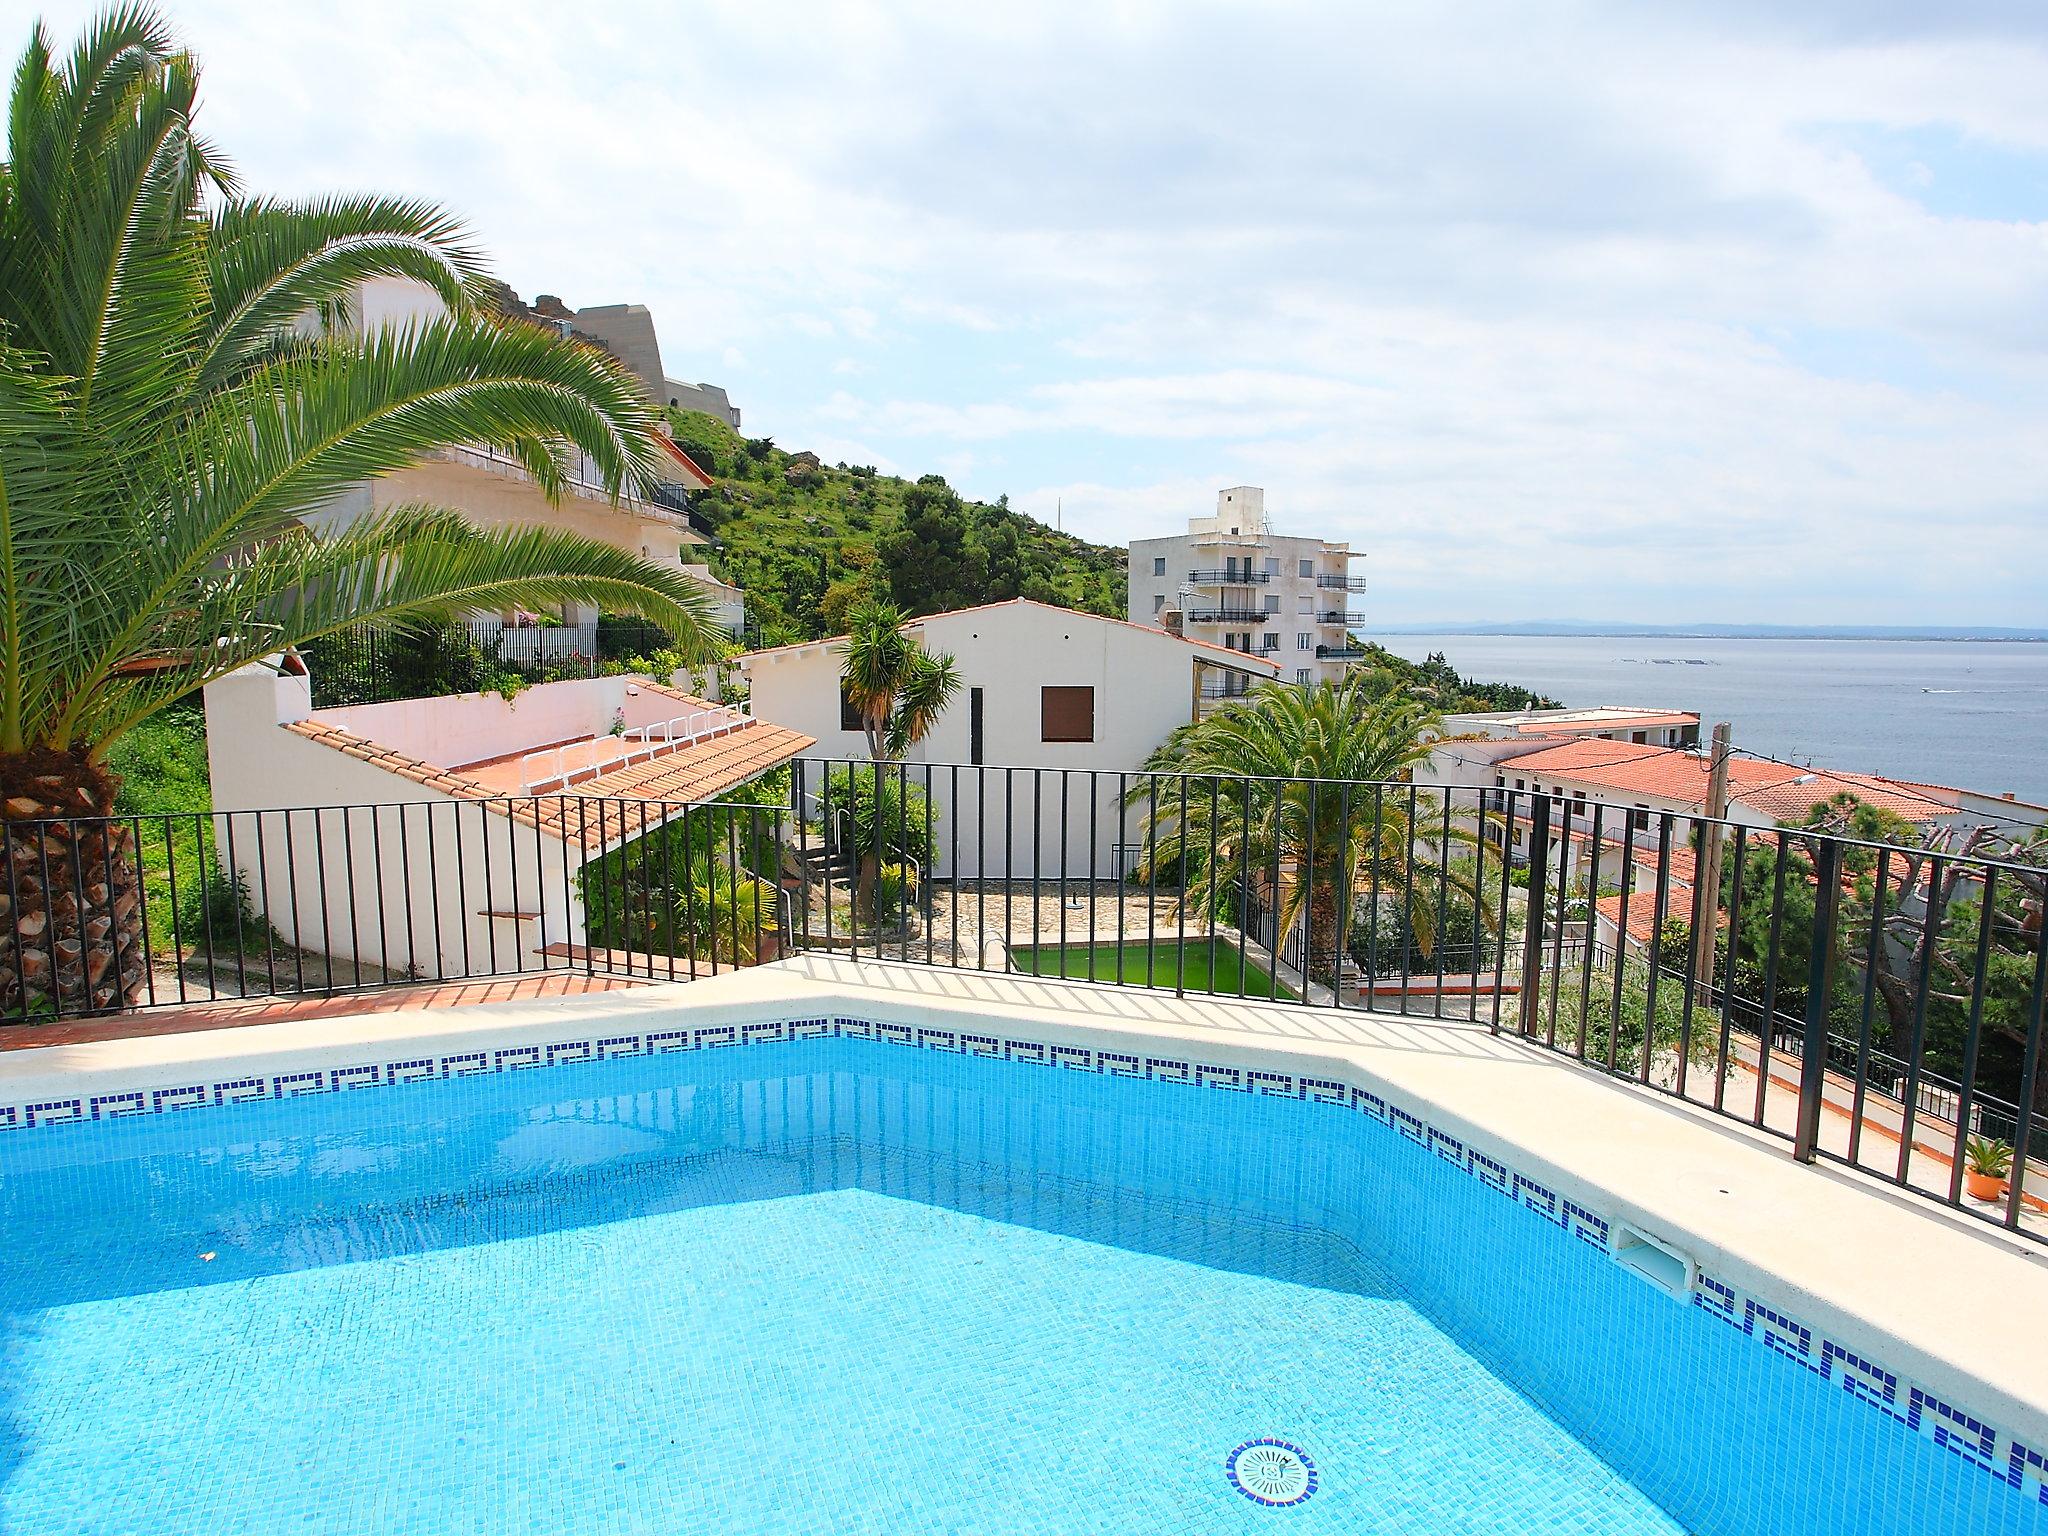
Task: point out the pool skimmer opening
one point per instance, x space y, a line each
1271 1472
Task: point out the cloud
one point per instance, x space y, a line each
1583 311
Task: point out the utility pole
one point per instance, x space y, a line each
1708 873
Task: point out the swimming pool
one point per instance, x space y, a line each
860 1275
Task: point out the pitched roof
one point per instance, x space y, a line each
661 785
1781 791
1666 772
1234 658
1642 915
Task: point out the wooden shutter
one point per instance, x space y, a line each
1066 713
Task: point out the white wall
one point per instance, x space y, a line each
1144 687
458 729
338 867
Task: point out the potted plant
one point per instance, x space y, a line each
1985 1166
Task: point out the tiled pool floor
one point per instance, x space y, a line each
830 1362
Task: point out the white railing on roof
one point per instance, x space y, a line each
642 743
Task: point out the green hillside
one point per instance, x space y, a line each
806 539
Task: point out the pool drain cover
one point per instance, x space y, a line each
1271 1472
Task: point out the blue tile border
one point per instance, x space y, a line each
1950 1426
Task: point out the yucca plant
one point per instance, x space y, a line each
182 378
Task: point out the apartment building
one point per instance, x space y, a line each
493 489
1237 583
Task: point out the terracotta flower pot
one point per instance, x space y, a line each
1983 1186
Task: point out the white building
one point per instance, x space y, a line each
493 490
1283 597
1607 722
1085 697
445 836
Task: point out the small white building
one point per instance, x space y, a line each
1238 583
445 836
1083 697
1606 722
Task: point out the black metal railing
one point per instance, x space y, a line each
1340 653
102 914
1339 616
1230 576
1342 583
1216 615
1872 1005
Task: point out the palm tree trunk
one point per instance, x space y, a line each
865 878
1323 939
70 890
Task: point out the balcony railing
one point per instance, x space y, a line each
1340 653
1230 616
1869 1005
1228 577
1341 583
1339 616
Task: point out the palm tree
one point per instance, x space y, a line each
1303 777
900 690
898 686
182 377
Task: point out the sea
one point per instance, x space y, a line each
1971 713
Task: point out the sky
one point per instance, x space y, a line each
1666 310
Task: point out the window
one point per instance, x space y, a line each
849 712
1066 714
1158 601
1159 565
1308 568
1640 738
974 718
1272 603
1304 605
1269 642
1301 641
1301 674
1272 567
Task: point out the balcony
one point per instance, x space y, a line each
1341 583
1229 577
1339 616
1229 616
1340 653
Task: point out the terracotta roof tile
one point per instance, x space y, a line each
664 784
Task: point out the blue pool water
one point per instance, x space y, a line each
838 1286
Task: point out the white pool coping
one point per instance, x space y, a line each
1950 1302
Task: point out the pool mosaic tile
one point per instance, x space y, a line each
1872 1386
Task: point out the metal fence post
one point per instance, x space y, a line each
1538 864
1820 974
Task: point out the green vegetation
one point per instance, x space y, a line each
701 884
1154 965
1438 684
162 768
810 541
1295 748
898 686
165 422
